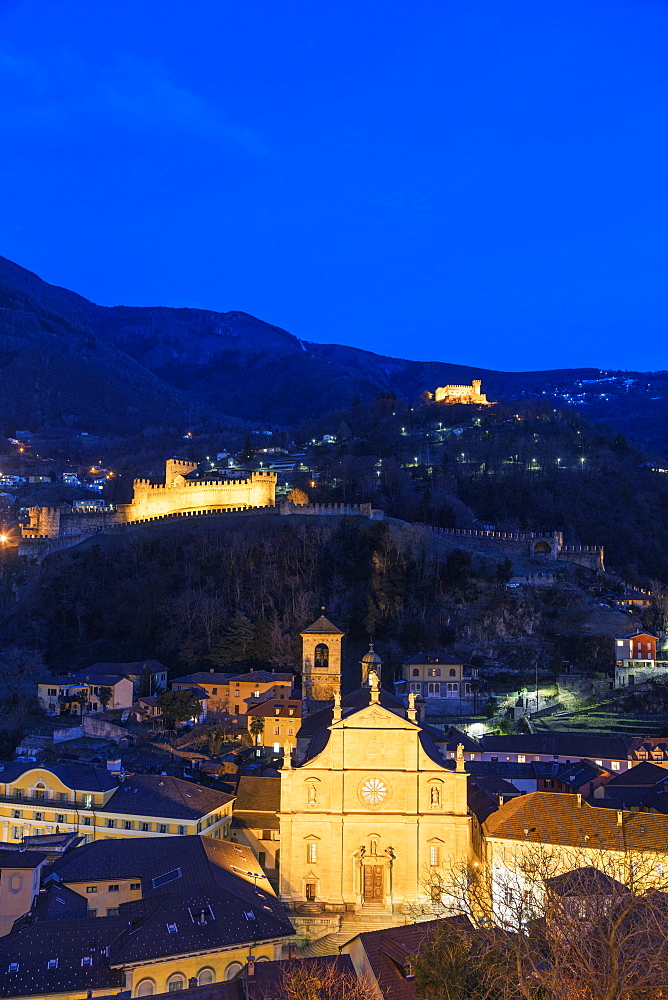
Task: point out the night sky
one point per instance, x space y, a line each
461 180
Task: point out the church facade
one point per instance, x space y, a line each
368 813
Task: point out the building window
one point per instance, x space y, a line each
111 824
18 793
434 688
176 982
113 888
435 672
112 911
311 853
135 886
521 758
146 988
433 855
182 831
162 828
232 970
416 687
52 963
39 817
87 821
321 657
60 817
128 824
599 762
63 797
416 673
205 977
548 783
17 833
145 827
277 730
17 814
453 673
310 892
615 765
91 888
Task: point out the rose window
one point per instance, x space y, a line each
374 791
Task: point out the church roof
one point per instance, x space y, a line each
322 627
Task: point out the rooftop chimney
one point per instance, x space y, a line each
250 967
578 796
292 950
620 817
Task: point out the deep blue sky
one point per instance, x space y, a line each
478 181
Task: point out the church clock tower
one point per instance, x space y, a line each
321 661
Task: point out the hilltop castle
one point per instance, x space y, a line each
462 394
182 493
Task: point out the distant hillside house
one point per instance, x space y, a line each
469 394
637 660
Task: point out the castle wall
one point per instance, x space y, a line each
151 500
544 544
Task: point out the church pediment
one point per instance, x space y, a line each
374 717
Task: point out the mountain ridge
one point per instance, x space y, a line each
116 369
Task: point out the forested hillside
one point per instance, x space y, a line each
525 467
242 588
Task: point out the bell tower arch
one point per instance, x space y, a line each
321 660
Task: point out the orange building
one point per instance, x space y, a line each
234 692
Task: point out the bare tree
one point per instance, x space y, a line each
322 979
551 924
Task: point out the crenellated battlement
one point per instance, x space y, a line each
542 544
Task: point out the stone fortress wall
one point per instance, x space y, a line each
542 544
178 496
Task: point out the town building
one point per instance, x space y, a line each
233 693
85 691
636 659
275 723
255 820
19 884
90 801
166 914
445 683
572 833
613 753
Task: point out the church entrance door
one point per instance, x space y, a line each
373 883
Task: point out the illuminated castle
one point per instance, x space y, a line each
181 494
462 394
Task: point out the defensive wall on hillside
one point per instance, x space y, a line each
543 544
67 527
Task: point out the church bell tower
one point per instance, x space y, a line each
321 661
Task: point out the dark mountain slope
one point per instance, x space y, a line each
67 362
56 371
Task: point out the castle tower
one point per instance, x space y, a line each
370 661
321 660
476 383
